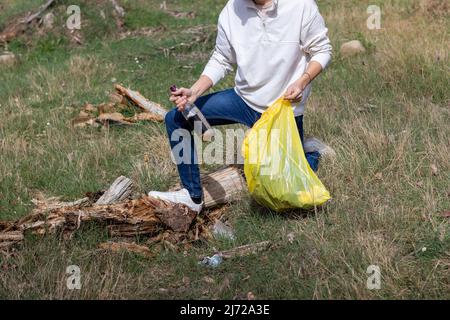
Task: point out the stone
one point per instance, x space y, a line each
352 48
7 58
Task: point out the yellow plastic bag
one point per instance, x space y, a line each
277 172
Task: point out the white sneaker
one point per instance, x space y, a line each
181 196
312 144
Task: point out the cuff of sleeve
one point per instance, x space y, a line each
322 58
214 73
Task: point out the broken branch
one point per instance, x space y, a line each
139 100
118 191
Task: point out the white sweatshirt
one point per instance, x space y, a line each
271 51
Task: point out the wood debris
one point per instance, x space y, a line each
124 217
111 113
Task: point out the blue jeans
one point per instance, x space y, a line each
219 108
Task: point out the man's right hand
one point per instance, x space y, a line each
181 97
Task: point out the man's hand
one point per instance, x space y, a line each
295 91
181 97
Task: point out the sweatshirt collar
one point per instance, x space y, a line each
251 4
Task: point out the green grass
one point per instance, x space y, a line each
386 114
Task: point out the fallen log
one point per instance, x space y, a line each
128 218
221 186
139 100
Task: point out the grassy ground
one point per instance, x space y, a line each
386 113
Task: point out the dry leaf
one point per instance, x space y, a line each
446 214
250 296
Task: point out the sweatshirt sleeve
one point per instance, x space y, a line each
223 57
314 39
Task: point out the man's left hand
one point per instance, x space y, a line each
295 91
